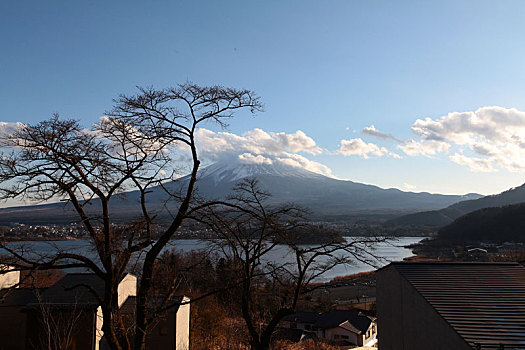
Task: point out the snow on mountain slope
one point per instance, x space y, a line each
235 171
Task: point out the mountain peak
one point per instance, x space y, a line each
234 171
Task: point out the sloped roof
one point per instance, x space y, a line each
334 318
154 302
358 322
483 302
74 289
18 296
349 327
302 317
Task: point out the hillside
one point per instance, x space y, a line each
445 216
499 224
325 196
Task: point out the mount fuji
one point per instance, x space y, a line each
322 194
326 197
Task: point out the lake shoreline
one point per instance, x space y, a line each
393 251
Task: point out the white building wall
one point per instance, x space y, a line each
127 288
330 334
182 325
8 278
372 339
98 328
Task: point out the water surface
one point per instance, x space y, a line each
389 251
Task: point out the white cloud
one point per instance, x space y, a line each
255 146
261 147
296 160
490 138
372 131
256 141
358 147
124 139
297 142
475 164
251 159
492 124
425 148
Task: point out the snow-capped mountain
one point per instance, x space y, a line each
236 171
324 196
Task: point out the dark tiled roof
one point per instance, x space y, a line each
154 303
75 289
302 317
334 318
483 302
359 322
18 296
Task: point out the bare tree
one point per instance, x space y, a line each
58 327
144 141
270 286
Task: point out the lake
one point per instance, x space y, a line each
391 251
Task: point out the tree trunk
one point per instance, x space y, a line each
260 345
139 342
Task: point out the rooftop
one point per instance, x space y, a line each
74 289
483 302
18 296
359 321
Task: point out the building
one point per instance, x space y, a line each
432 305
342 327
9 278
69 311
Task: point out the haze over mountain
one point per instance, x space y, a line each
325 196
447 215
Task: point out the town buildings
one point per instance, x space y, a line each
346 328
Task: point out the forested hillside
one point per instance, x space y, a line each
498 224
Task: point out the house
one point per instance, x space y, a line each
477 254
342 327
69 311
303 320
464 305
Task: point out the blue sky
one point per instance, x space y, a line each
329 69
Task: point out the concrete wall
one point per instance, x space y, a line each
99 333
182 324
127 288
406 320
8 279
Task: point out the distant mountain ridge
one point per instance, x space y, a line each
493 224
322 194
445 216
